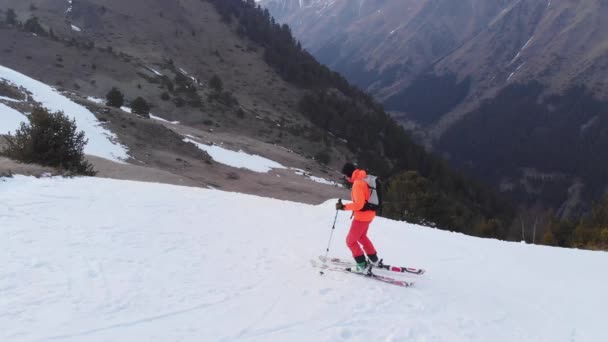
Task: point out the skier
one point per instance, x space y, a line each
357 236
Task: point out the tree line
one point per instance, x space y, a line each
561 135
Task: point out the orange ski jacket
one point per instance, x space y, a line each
360 193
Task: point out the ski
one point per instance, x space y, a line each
384 279
398 269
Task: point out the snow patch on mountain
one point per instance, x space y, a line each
155 71
237 159
158 118
8 99
96 100
516 70
10 119
521 50
188 75
102 142
320 180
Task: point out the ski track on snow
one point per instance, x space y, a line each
91 259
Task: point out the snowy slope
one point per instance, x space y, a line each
91 259
10 119
102 142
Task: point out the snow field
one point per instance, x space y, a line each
91 259
237 159
10 119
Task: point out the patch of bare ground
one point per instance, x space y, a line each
159 154
10 167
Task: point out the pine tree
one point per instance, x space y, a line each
216 84
140 106
33 25
11 17
115 98
50 139
549 238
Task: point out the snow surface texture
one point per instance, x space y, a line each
101 141
92 259
238 159
10 119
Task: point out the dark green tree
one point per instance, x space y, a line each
323 157
140 106
411 197
115 98
50 139
592 231
216 84
184 83
33 25
11 17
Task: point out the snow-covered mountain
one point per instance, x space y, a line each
91 259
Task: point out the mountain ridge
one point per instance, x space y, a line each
435 63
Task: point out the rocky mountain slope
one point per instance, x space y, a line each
167 54
385 46
226 84
434 62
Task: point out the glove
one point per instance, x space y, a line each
339 206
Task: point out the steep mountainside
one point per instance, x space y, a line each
222 72
167 54
434 62
385 46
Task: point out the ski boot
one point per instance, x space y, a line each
374 261
362 266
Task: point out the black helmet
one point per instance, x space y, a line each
348 169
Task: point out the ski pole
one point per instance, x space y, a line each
333 228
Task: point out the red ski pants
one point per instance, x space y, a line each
357 238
